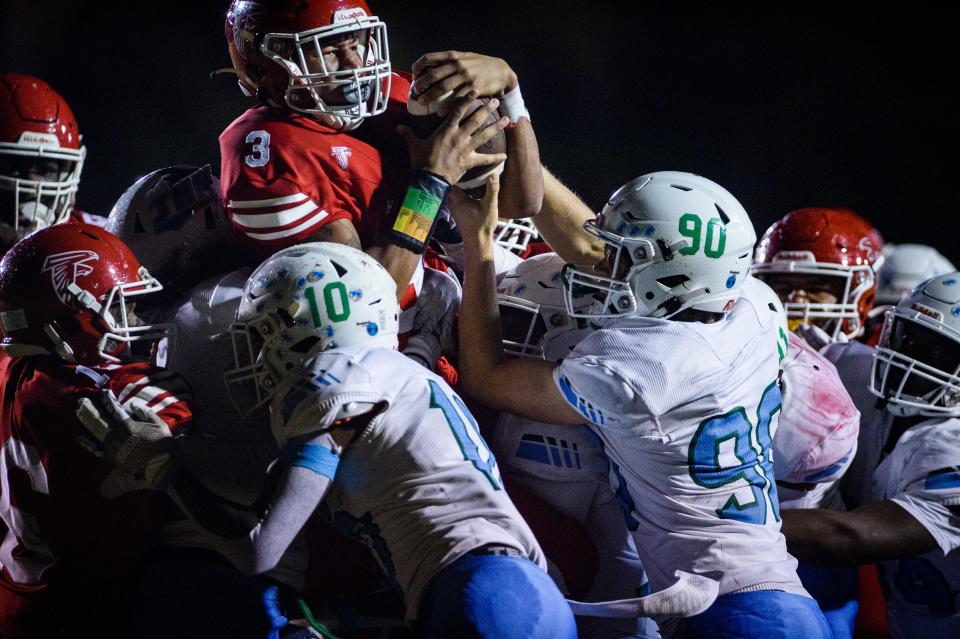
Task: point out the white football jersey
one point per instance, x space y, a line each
201 353
687 412
419 485
567 468
853 361
922 475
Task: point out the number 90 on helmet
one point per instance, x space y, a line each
307 299
673 241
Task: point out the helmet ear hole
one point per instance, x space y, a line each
723 215
341 271
304 345
672 281
285 317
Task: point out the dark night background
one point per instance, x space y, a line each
783 109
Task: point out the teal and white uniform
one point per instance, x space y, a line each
418 485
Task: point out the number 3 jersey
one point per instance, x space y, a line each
418 485
284 175
686 411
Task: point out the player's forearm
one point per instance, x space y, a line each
401 263
481 349
521 185
874 532
560 222
253 544
819 536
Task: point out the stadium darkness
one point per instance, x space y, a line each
785 110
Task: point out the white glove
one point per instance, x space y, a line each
135 443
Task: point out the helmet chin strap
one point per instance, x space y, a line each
247 86
61 348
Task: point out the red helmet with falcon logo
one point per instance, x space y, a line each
66 290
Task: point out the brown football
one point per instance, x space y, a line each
424 121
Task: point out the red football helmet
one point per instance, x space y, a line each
65 289
276 48
833 252
40 156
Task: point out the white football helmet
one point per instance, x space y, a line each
307 299
674 241
533 315
905 266
175 223
916 367
515 235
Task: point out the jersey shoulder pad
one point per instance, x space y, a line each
922 476
311 400
818 427
598 392
652 356
400 87
928 456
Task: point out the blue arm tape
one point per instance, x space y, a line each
317 458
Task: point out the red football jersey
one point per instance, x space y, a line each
61 544
284 174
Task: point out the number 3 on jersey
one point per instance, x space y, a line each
729 448
465 430
260 149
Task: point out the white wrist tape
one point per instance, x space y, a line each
512 106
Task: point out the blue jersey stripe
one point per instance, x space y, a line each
943 478
533 452
826 472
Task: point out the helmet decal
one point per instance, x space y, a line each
65 268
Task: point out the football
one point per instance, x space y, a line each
424 121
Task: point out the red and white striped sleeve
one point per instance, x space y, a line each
162 392
276 218
278 184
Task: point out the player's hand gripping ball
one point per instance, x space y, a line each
426 119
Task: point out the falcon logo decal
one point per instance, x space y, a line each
342 155
65 268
